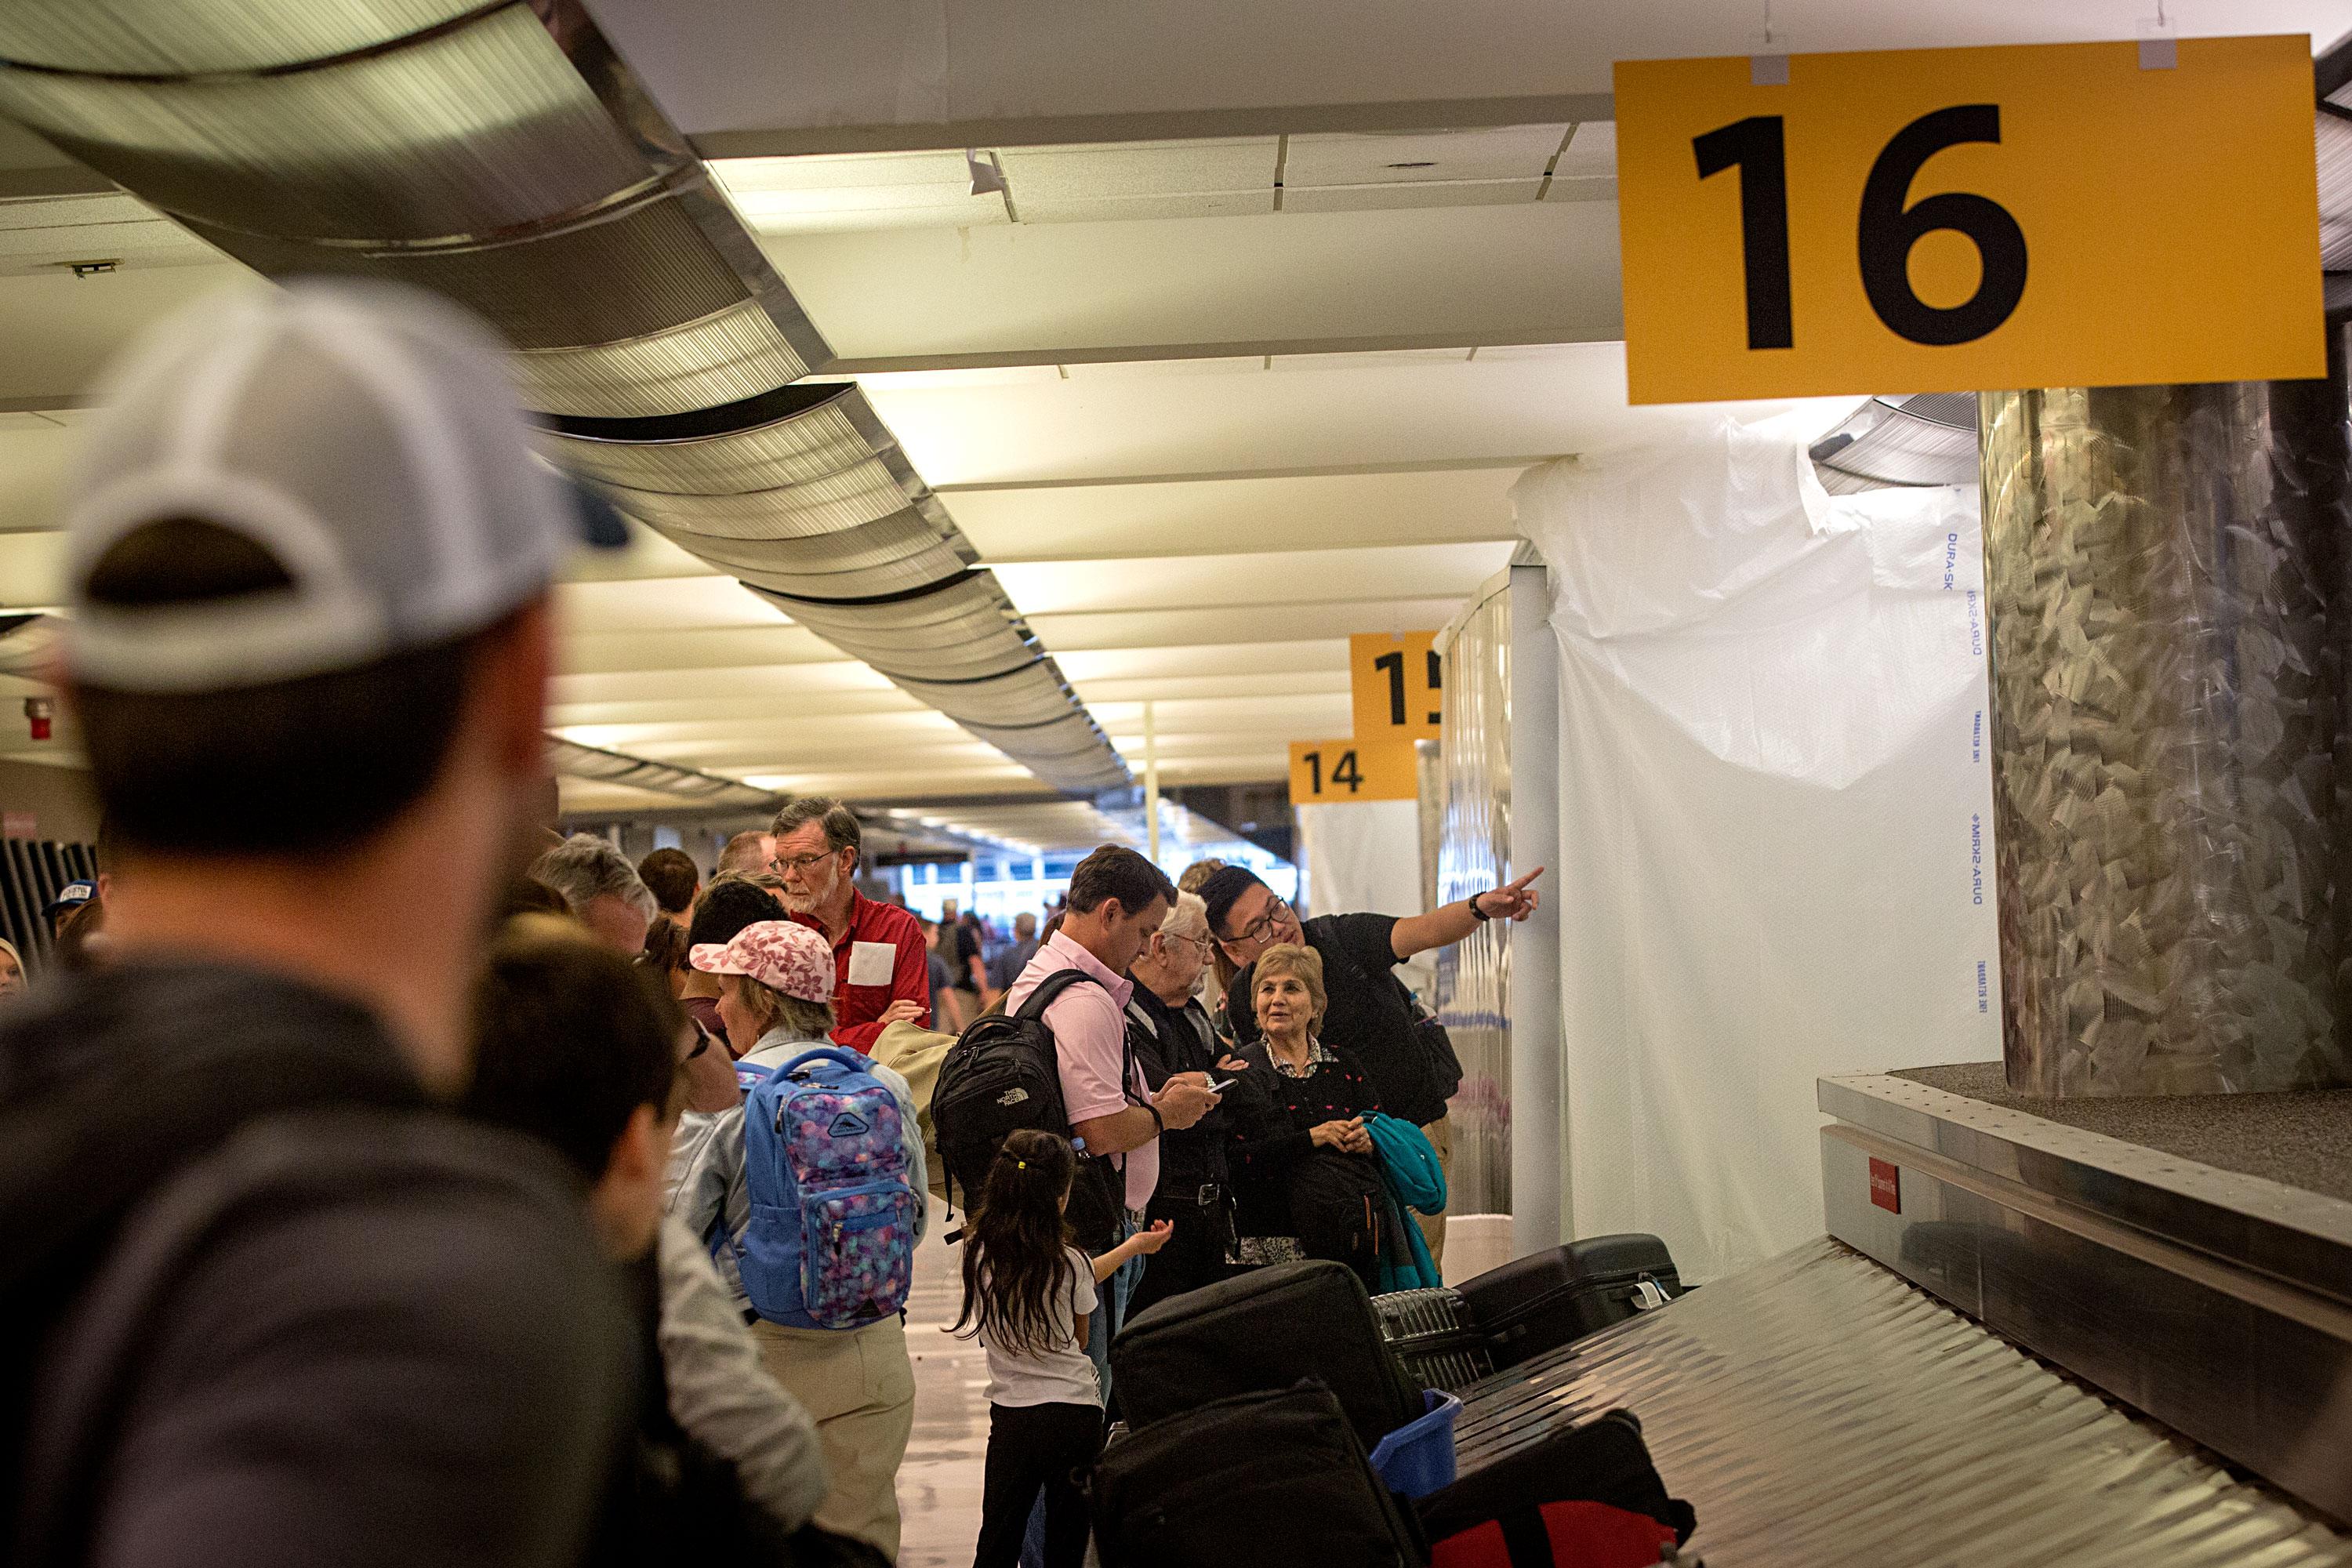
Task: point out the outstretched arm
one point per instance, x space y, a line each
1444 926
1148 1240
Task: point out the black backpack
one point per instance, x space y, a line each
1002 1076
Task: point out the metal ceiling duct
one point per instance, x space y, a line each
803 493
691 785
1929 438
502 155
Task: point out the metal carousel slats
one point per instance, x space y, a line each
1819 1412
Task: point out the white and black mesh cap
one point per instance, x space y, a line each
365 436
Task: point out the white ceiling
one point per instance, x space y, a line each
816 75
1209 177
1208 400
1194 535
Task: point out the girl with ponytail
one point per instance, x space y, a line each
1027 1293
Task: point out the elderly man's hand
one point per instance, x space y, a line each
1183 1099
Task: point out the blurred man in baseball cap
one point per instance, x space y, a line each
285 1308
70 897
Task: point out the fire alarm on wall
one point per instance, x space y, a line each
39 711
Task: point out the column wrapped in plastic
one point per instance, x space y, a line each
1474 853
2165 569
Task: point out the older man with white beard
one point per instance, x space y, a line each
882 974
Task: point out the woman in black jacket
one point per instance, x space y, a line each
1306 1181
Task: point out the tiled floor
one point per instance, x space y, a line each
939 1485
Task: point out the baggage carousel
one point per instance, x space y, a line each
2063 1333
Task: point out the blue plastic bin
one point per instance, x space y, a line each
1417 1458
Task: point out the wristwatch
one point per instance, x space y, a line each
1481 915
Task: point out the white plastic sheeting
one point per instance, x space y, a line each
1364 856
1775 813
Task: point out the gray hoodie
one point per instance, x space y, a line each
721 1391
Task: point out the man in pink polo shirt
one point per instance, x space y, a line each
1117 898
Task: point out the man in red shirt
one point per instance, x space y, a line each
882 974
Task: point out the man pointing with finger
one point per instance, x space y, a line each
1371 1015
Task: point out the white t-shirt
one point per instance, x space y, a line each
1062 1374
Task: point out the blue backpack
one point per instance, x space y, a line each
830 1239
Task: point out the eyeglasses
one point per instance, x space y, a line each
1263 927
800 862
1203 942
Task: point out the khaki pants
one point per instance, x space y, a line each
1440 1134
859 1389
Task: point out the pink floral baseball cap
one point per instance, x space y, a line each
783 955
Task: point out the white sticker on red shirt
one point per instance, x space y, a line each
871 962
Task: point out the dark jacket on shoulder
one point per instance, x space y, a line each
271 1305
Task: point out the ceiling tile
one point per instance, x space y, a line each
1091 173
1591 153
1596 189
818 213
584 651
1368 359
1176 661
885 190
843 172
62 212
979 376
1272 578
1174 688
1152 369
1239 623
1209 517
839 680
1124 210
1503 153
1416 193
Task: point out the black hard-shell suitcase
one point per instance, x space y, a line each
1273 1477
1532 1304
1434 1338
1259 1331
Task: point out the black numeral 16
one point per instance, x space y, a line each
1885 233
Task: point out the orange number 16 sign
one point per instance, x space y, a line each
1957 220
